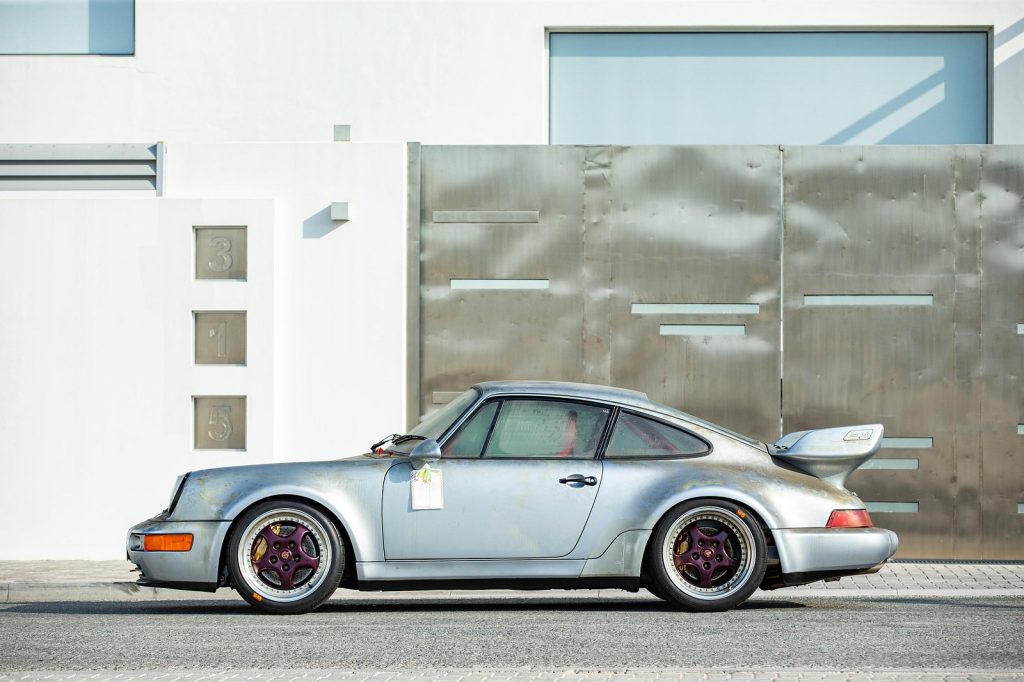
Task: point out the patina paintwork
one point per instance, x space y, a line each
510 519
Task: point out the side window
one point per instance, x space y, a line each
469 441
635 436
547 428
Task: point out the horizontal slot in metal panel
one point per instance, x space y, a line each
444 397
867 299
907 443
499 284
702 329
696 308
892 464
892 507
486 216
80 166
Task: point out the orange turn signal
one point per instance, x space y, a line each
849 518
169 542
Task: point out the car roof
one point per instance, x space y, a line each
611 394
567 389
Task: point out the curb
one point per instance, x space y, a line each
525 674
33 592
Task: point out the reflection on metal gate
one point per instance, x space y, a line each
662 269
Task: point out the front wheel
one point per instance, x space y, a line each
707 555
285 557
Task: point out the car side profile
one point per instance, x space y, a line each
528 485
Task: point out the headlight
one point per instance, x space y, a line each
179 485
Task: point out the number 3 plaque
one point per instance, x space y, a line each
221 253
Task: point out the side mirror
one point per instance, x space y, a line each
426 451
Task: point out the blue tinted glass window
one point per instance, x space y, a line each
67 27
769 88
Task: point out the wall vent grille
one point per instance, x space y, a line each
82 167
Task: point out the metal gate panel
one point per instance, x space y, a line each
614 227
868 224
1002 340
477 211
691 232
659 268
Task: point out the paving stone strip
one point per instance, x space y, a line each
521 675
43 581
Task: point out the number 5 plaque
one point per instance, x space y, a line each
219 422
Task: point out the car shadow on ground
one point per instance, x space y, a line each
411 605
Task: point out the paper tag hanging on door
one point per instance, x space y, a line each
427 487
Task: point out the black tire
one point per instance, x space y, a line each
268 533
707 555
656 591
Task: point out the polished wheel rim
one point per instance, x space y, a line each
708 553
284 555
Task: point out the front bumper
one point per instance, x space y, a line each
808 554
197 569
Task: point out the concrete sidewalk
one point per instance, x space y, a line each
42 581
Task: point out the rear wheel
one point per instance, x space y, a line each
707 555
285 557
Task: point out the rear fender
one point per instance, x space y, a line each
719 493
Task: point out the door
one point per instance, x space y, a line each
520 478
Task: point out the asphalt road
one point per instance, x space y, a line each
551 632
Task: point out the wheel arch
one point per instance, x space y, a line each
727 500
349 573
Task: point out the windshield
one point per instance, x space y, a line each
708 425
438 422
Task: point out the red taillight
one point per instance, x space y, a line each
849 518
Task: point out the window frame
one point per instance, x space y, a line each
602 440
120 55
603 453
987 29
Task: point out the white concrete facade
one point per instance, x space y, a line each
97 288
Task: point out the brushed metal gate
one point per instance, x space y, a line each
663 268
593 263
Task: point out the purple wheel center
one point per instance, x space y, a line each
285 556
706 556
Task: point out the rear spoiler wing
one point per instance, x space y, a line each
830 454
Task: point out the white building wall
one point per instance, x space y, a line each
339 299
96 289
96 299
435 72
97 292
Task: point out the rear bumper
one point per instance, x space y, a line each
197 569
831 552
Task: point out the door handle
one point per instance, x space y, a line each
579 478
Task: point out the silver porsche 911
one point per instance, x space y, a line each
528 485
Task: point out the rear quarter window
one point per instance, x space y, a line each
639 437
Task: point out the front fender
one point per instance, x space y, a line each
349 489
